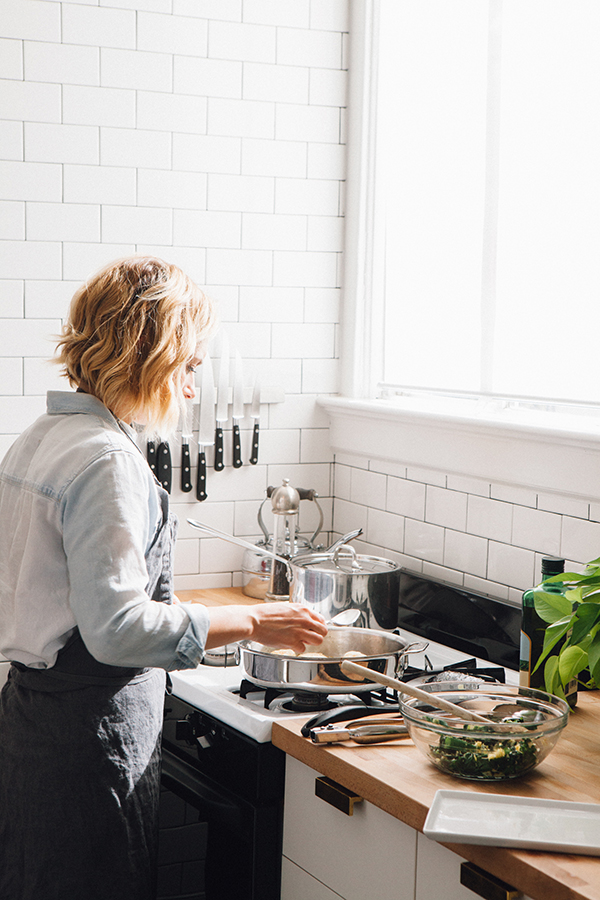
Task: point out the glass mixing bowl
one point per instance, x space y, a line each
529 723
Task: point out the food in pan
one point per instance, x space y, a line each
309 653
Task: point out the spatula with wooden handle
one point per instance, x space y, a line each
432 699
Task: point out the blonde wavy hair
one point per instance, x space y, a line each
131 330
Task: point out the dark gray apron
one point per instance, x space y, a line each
80 768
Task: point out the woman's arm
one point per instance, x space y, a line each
274 624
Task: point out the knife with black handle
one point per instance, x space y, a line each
151 456
206 424
186 459
255 413
222 404
238 409
186 466
163 465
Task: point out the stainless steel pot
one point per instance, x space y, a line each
342 579
329 582
318 669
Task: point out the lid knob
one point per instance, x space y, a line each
285 499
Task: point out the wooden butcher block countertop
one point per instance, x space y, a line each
399 780
216 596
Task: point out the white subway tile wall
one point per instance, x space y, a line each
208 133
212 133
486 537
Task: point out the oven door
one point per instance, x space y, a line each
235 853
221 812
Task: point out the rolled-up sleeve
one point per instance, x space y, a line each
108 521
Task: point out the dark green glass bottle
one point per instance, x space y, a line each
533 629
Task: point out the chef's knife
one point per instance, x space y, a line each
222 403
255 413
206 425
151 455
238 408
164 469
186 434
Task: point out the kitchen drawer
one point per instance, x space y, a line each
367 854
296 883
436 867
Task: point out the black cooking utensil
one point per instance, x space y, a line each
164 466
186 466
345 714
151 456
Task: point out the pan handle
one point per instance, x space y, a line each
413 647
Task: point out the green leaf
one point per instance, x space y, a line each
551 607
586 616
552 636
571 660
594 659
552 678
564 577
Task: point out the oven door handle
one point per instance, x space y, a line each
182 778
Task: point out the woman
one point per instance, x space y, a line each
87 612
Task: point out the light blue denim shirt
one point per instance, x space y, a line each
79 508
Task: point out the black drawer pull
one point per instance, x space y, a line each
336 795
485 885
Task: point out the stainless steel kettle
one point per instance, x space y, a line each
256 566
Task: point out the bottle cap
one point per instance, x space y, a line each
552 566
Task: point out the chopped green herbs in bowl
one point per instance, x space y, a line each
525 724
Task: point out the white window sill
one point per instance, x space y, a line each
541 450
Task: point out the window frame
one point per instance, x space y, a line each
556 449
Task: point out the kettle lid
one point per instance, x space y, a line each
285 499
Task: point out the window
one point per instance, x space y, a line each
485 170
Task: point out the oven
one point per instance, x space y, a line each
221 810
222 779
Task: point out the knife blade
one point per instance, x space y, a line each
186 434
222 403
238 408
206 424
164 470
255 413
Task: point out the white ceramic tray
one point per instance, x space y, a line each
465 817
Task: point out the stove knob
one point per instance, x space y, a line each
184 731
205 736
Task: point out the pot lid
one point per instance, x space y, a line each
349 563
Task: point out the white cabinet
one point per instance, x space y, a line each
368 854
437 866
296 884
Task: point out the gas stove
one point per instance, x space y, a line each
219 692
217 752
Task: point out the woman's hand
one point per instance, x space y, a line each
279 625
288 625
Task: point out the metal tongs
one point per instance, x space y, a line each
368 730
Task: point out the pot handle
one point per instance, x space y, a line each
414 647
242 543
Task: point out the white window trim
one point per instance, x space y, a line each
549 452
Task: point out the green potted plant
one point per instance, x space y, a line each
572 614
